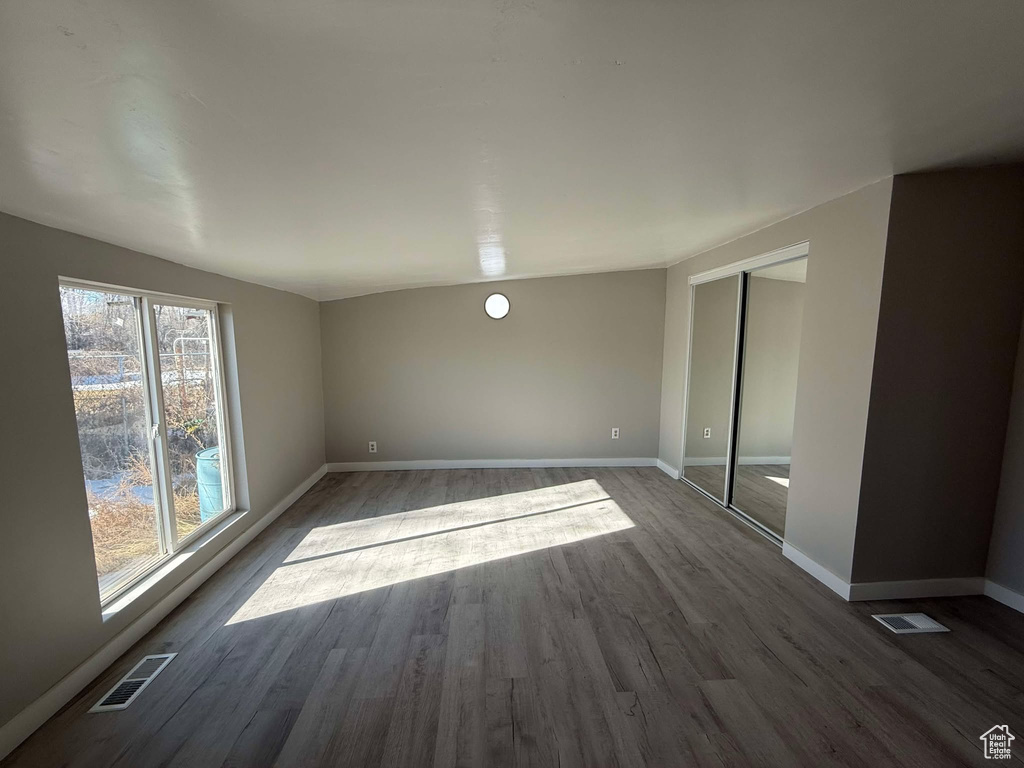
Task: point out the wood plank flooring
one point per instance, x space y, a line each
556 617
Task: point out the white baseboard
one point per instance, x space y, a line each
24 724
818 571
905 590
668 469
1005 595
704 461
917 588
711 461
382 466
764 460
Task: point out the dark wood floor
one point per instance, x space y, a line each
540 617
756 493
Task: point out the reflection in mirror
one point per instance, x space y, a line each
771 347
709 398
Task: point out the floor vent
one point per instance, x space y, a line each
132 684
909 623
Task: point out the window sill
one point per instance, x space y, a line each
168 573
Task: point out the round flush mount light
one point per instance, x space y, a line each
497 306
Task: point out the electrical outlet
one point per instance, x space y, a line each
707 432
615 433
373 446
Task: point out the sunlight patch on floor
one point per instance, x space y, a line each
783 481
344 559
428 520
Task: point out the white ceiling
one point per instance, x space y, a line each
336 148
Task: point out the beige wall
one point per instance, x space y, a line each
948 327
49 605
771 356
428 375
1006 551
844 278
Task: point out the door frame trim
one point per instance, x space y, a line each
789 253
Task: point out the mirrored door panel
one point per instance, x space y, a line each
771 348
709 402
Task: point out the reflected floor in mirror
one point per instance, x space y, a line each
710 477
761 490
573 617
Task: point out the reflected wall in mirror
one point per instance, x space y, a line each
771 348
712 372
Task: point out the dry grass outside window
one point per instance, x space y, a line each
124 528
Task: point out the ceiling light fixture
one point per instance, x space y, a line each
497 306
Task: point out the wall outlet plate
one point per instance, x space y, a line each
373 446
707 432
615 433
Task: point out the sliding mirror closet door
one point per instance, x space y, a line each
771 348
709 403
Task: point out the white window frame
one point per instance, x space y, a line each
159 457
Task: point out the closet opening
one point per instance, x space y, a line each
745 322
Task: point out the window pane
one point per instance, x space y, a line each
187 373
103 344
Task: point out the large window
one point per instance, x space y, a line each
148 388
